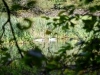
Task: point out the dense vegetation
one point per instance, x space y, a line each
81 53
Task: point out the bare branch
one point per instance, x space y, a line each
12 30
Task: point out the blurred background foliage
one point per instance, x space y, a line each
78 56
42 7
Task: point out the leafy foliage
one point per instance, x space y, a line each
25 27
87 50
89 58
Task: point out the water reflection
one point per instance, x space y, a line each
50 47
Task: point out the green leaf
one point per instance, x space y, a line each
70 7
65 48
88 1
24 27
19 26
34 57
86 17
31 3
47 18
55 19
55 24
51 66
15 7
97 7
48 32
68 56
63 18
1 41
92 9
29 22
60 13
89 24
71 11
7 55
65 27
4 49
49 23
72 24
53 62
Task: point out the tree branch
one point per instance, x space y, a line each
12 30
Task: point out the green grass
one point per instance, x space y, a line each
38 29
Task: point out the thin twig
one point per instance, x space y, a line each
3 28
12 30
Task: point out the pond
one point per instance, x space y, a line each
50 46
47 46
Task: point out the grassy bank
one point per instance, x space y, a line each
39 28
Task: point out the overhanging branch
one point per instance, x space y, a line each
12 30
